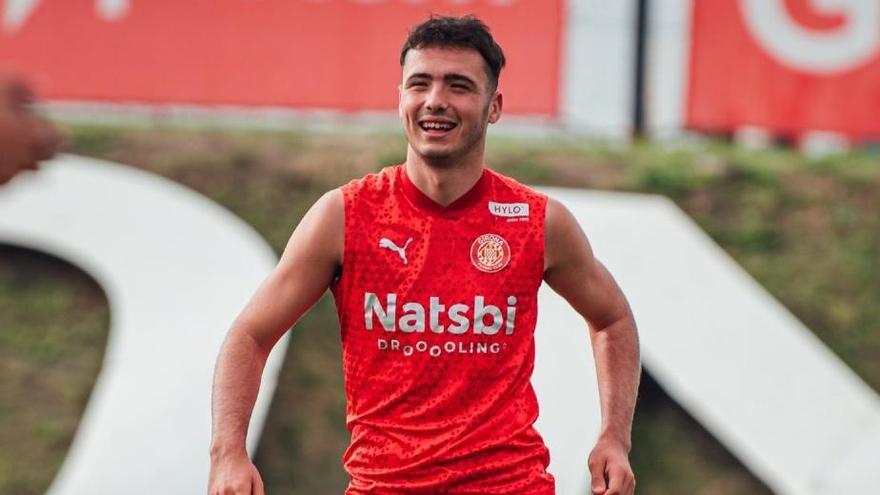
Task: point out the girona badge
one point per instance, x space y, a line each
490 253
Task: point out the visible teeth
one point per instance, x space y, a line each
437 125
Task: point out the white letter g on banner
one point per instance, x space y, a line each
816 51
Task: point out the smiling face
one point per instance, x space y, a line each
446 103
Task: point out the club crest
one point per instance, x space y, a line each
490 253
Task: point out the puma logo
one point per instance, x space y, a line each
389 244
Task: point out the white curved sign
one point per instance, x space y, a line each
176 268
795 45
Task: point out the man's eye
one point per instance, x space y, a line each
462 87
418 84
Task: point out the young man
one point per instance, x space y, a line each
435 266
25 138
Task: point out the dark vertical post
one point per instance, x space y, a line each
642 16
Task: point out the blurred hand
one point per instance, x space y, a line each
610 470
25 137
234 475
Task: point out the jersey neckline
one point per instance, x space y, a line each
424 202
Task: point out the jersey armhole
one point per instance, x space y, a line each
544 202
340 282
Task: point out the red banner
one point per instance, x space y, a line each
336 54
786 65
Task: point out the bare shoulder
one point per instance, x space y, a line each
320 234
564 241
331 207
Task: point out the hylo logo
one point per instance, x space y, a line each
509 210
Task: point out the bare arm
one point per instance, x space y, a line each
309 263
575 274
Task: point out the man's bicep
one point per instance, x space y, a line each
306 269
575 274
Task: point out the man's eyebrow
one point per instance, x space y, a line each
419 75
451 78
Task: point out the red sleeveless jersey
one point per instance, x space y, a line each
437 307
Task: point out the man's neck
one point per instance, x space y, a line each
443 183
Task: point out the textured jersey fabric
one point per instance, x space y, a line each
437 308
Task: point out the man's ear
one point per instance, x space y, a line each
495 107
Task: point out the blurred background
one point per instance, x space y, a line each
759 118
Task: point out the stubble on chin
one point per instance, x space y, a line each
446 157
436 158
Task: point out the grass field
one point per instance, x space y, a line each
807 230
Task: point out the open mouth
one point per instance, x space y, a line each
437 127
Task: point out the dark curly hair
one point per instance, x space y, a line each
457 32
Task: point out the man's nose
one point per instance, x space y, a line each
435 101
